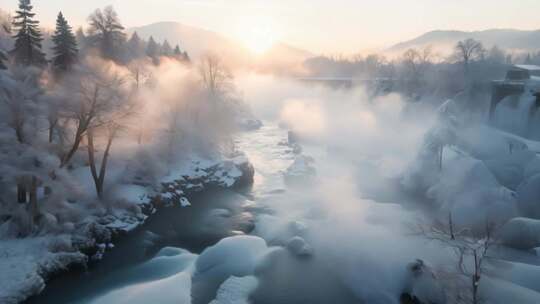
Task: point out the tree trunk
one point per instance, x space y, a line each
440 157
19 133
99 179
475 278
33 206
52 126
67 157
92 163
21 193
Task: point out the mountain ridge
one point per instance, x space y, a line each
506 38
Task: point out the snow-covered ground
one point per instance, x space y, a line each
26 263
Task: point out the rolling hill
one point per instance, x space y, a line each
509 39
197 41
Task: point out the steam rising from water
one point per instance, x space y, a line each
359 145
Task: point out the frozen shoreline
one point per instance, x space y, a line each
26 264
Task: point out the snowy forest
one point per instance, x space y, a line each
166 163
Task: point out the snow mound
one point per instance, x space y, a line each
175 289
521 233
299 247
524 275
301 169
237 256
528 195
496 291
236 290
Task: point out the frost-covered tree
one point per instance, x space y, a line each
471 252
496 55
112 108
65 45
27 50
107 33
467 51
218 86
5 31
82 40
18 94
95 97
415 63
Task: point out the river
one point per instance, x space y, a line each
214 214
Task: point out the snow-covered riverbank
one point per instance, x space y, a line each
26 263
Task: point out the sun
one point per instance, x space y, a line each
258 39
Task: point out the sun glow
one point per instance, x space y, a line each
258 39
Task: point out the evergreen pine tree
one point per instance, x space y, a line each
152 49
166 49
185 57
65 45
177 52
28 39
135 46
82 40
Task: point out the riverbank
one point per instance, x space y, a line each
27 263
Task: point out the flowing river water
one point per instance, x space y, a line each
214 214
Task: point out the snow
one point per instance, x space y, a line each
298 246
28 261
173 290
132 193
164 279
167 278
184 202
423 284
301 170
469 191
236 290
521 233
521 274
495 291
25 262
528 195
237 256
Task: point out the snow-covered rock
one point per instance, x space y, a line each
236 256
301 170
422 284
174 289
468 190
299 247
521 233
528 197
235 290
198 174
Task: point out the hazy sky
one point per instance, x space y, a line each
322 26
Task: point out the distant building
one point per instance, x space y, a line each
518 79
